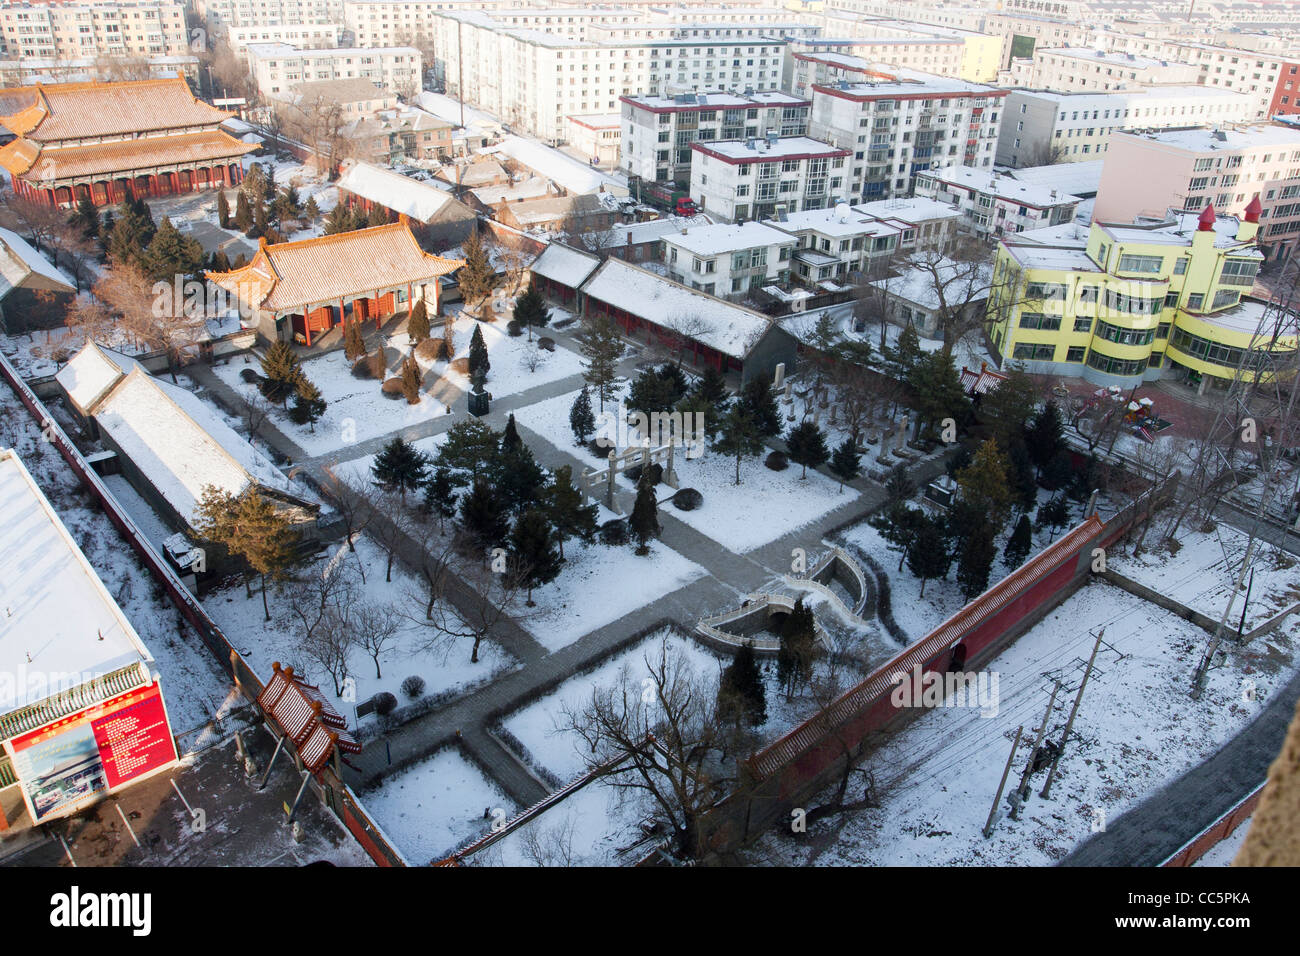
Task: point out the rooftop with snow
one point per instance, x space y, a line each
714 240
766 151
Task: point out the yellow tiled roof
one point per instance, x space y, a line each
34 164
290 275
77 110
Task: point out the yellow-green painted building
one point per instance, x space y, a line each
1119 304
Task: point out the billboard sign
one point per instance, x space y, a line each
70 763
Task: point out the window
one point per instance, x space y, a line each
1040 352
1217 354
1037 320
1180 267
1195 301
1224 298
1122 336
1075 353
1143 264
1238 271
1171 300
1113 366
1133 305
1082 323
1088 293
1162 330
1052 291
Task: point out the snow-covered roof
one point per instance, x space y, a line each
636 233
1003 187
909 209
1077 179
839 222
1204 140
90 374
731 329
61 626
22 266
565 265
763 151
716 240
449 108
180 444
403 194
534 187
573 175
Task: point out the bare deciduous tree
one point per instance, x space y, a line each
374 628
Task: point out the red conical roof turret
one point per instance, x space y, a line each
1254 209
1205 222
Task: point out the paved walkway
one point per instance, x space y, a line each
1158 827
465 721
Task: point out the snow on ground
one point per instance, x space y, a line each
785 502
357 410
599 584
445 667
1225 851
1207 564
535 726
193 685
435 805
1136 730
508 355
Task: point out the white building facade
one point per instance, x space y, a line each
729 261
993 205
277 67
737 180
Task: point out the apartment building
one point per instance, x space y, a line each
741 179
1091 70
221 15
730 261
277 67
836 244
396 22
1041 126
533 79
26 70
904 124
1119 305
595 135
948 51
993 205
305 36
658 131
95 29
1147 173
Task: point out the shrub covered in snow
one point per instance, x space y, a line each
656 473
431 350
777 461
251 376
546 343
384 703
614 532
514 329
688 499
392 388
413 686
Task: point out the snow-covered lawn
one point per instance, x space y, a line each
357 410
445 668
435 805
1201 574
599 584
535 726
1137 729
508 356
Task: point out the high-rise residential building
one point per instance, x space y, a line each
1041 126
1097 71
742 179
902 123
220 15
1124 304
948 51
278 68
658 131
95 28
1147 173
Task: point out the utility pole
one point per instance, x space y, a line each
460 74
993 811
1203 668
1069 724
1023 789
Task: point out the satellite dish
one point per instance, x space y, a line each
843 212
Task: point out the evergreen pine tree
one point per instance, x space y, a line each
510 440
479 365
644 521
260 223
984 485
469 448
759 399
1019 544
976 561
243 213
601 348
533 555
741 695
1053 514
898 524
483 516
798 644
564 507
132 231
738 435
1045 435
712 387
170 254
516 477
377 216
581 419
844 462
399 467
354 340
417 326
898 486
308 403
807 446
1020 476
411 381
476 277
310 211
281 370
937 391
530 310
440 495
223 209
249 527
449 337
220 261
86 218
927 554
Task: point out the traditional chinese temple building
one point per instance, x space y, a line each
112 141
299 290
